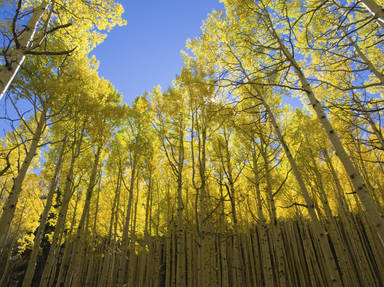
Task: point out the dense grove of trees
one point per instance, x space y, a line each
215 181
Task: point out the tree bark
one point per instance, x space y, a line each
16 56
376 10
43 219
11 202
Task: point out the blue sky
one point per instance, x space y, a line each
146 52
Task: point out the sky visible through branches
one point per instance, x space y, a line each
146 52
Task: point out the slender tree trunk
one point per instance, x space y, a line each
276 229
180 238
376 10
133 258
66 258
79 242
365 59
204 240
60 225
8 253
228 170
339 246
148 207
342 203
265 252
370 121
203 267
16 55
11 202
110 243
43 219
125 242
223 240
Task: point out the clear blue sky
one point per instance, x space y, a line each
146 52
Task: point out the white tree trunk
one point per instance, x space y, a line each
16 55
376 10
365 59
11 202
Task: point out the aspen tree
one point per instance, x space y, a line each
16 57
79 243
231 178
180 272
174 120
276 228
135 138
106 98
81 17
148 219
343 63
64 264
11 202
127 221
265 252
310 148
67 194
110 241
201 194
116 160
222 240
43 219
197 84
